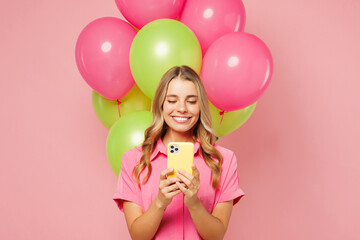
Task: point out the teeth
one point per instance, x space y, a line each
180 119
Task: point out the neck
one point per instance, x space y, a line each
172 136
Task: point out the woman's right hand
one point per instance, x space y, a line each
167 189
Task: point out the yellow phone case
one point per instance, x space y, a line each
180 155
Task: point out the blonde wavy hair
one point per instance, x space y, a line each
202 129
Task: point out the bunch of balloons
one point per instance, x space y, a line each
123 63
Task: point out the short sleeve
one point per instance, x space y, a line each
127 187
229 188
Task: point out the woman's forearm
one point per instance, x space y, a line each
208 226
146 225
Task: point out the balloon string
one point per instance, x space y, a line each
222 117
118 104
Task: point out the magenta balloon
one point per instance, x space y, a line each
140 12
102 56
237 69
211 19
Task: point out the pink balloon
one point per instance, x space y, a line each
140 12
102 56
237 69
211 19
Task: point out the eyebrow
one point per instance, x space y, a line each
188 96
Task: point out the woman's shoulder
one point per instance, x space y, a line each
135 150
132 156
229 158
225 152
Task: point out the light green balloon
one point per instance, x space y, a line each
125 134
231 121
107 110
159 46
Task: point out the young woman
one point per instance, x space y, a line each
188 206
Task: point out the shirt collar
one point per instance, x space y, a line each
160 148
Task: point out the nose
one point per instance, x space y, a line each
182 107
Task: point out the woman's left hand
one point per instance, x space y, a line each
191 187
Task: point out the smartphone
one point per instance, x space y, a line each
180 155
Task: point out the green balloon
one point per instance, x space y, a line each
125 134
159 46
107 110
231 120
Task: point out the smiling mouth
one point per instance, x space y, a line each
181 119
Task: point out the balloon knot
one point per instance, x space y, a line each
222 117
118 104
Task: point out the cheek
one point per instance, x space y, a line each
165 108
195 111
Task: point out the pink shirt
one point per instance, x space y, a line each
176 222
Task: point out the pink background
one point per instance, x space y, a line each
298 155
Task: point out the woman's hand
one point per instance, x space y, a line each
167 189
191 187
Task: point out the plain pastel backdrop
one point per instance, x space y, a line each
298 155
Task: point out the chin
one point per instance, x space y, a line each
188 129
182 130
